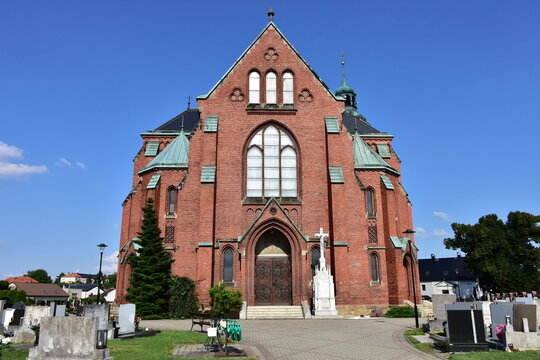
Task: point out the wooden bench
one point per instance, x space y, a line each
201 319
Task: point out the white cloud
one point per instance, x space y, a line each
13 171
63 161
9 152
80 164
421 232
442 215
441 232
110 263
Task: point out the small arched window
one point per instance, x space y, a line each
254 85
271 164
369 202
374 265
173 192
228 265
315 257
288 88
271 88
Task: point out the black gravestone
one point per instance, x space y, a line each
17 315
524 311
460 330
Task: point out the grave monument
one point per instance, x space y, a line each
324 299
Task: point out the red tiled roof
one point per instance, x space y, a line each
72 275
21 279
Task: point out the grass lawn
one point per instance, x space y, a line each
157 347
497 355
425 347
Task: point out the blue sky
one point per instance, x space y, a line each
457 83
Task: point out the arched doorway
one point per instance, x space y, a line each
273 275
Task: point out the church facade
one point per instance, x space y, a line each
244 182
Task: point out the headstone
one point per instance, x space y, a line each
439 302
32 316
466 330
18 314
7 315
100 311
499 312
324 298
68 338
60 310
126 318
524 311
19 305
2 304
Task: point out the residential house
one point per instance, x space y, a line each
21 279
40 292
446 276
81 291
79 278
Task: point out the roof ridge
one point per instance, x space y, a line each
270 24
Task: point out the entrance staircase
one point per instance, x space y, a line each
275 312
424 309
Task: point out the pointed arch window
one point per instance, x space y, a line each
370 206
271 164
288 88
228 265
374 266
171 201
271 88
254 87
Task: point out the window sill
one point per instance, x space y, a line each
374 283
264 200
271 108
170 216
373 216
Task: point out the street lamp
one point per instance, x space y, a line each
409 233
101 247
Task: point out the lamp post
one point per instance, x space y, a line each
409 233
101 247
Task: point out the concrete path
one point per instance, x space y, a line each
366 339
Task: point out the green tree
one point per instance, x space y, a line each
3 285
108 281
40 275
182 301
505 253
57 280
151 268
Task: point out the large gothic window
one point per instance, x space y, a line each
172 201
271 88
254 85
271 164
228 265
369 203
374 265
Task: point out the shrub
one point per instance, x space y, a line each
4 285
182 298
400 312
225 301
13 296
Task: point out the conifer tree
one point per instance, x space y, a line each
151 269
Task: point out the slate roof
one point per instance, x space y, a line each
439 269
41 290
191 120
175 155
368 159
83 287
363 127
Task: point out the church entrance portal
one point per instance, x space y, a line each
273 278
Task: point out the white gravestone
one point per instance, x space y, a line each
100 311
324 298
7 316
32 316
126 318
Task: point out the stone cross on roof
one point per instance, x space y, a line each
271 14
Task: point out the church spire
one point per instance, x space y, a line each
347 92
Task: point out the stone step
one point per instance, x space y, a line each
275 312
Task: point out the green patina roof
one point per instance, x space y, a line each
270 24
344 88
175 155
366 158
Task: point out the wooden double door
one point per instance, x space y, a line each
273 281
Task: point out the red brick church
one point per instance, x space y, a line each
244 182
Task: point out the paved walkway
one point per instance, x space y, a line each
366 339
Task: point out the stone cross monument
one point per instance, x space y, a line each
324 298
